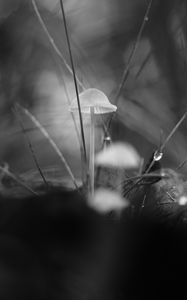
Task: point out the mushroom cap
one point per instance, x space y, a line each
118 155
93 98
106 200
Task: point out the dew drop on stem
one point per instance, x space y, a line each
158 155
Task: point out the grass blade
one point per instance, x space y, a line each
60 55
17 179
52 42
172 132
133 52
51 141
134 49
75 80
16 112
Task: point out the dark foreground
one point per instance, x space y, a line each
55 247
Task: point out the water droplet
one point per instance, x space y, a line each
157 155
107 141
107 138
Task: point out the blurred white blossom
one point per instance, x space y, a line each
183 200
118 155
106 200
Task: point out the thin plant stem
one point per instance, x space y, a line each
51 141
132 54
150 175
16 112
143 64
17 179
159 151
76 129
172 132
52 42
138 179
75 80
92 152
140 170
60 55
72 115
143 202
181 164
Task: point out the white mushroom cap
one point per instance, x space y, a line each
118 155
93 98
106 200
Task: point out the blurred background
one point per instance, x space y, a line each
103 35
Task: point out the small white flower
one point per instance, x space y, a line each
106 200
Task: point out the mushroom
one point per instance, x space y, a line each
118 155
106 200
92 102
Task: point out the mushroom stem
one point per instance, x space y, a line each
92 151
